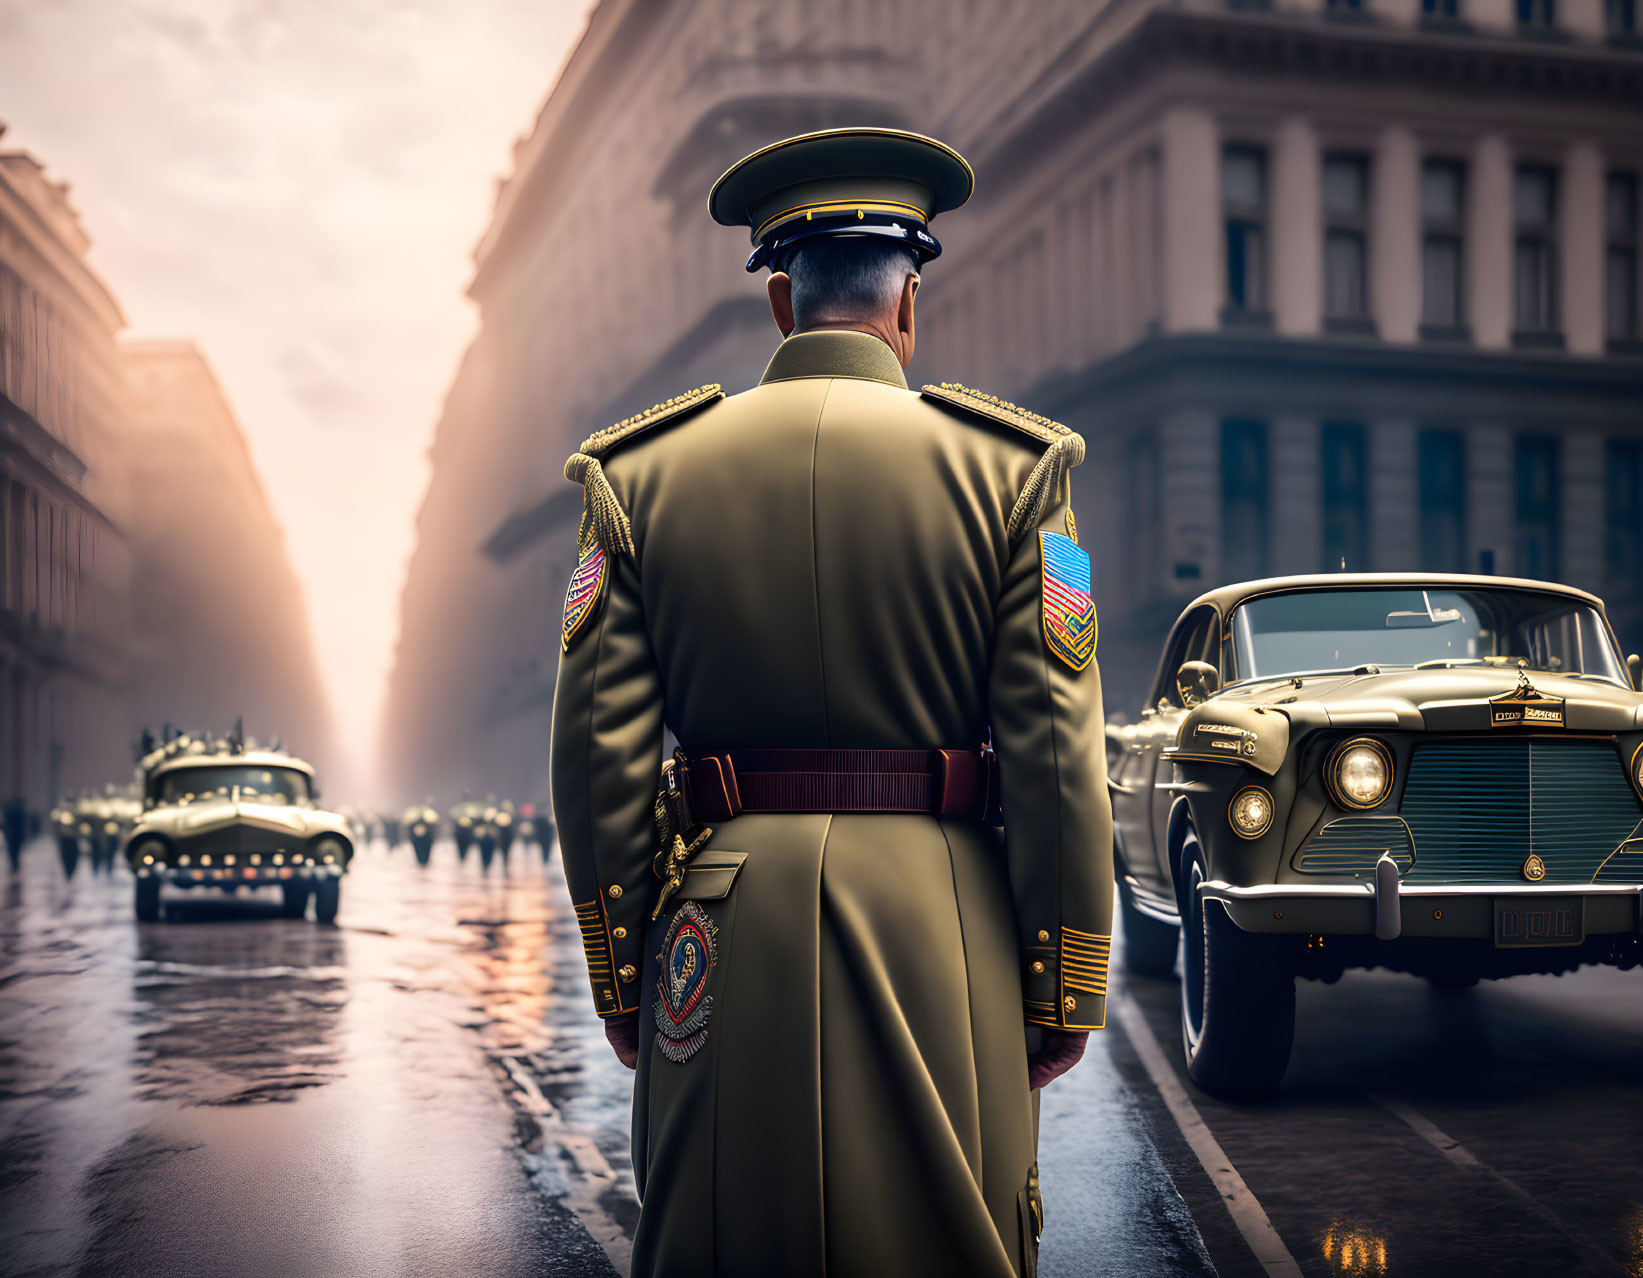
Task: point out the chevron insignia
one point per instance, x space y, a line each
586 589
1069 612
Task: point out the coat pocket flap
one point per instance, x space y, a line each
710 875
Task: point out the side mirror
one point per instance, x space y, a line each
1197 681
1634 667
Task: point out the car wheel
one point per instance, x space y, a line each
485 856
327 897
1237 993
423 852
1149 946
296 900
148 900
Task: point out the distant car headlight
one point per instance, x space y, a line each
1250 812
504 819
328 851
419 830
1360 773
464 821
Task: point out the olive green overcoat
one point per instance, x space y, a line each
832 560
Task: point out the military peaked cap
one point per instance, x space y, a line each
877 182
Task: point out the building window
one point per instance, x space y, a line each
1620 267
1440 459
1346 240
1345 465
1539 506
1537 15
1243 204
1443 247
1342 7
1534 282
1441 9
1620 17
1243 500
1623 510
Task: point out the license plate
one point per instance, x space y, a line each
1543 920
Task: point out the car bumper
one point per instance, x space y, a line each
239 876
1424 910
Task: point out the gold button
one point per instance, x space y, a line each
1043 935
1038 967
1069 1002
1437 914
614 891
628 974
618 932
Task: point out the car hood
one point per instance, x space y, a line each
194 819
1456 699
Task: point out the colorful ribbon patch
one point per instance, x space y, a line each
1069 612
683 1005
587 587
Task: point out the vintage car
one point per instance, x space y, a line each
1441 775
466 817
225 815
421 825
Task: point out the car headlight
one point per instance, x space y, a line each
419 830
1360 773
1250 812
504 819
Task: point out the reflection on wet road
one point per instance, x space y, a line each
424 1090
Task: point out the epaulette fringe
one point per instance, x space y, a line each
999 410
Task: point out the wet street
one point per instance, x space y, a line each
423 1090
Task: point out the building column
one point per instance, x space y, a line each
1489 244
1189 496
1295 247
1581 230
1295 498
1490 496
1192 249
1394 242
1582 18
1394 496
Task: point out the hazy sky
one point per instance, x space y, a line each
297 186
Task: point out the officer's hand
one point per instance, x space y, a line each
1062 1050
622 1032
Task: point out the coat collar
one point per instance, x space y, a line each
835 352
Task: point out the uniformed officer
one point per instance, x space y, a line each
819 949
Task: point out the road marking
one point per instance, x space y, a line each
1247 1212
585 1189
1597 1260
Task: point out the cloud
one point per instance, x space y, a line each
297 185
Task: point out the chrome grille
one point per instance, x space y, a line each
1478 808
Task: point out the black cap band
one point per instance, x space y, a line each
775 249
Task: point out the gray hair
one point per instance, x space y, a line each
852 277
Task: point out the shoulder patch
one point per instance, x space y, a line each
601 442
587 586
998 410
1069 611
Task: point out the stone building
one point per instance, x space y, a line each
219 623
1321 282
64 563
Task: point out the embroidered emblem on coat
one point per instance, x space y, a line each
1072 524
1069 612
683 1005
586 589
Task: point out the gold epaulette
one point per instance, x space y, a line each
602 441
600 510
999 410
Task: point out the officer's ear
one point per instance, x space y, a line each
904 318
780 288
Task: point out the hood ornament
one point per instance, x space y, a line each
1525 707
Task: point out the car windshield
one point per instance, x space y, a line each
1327 630
265 785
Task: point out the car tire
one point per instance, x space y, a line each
1237 993
327 899
1149 946
296 900
423 852
486 854
148 900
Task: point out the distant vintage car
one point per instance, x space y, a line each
466 817
1441 775
421 825
229 818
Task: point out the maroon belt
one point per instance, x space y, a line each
953 783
